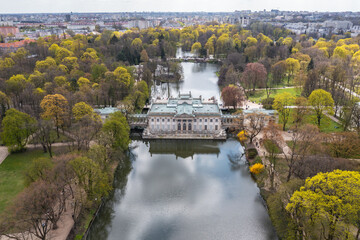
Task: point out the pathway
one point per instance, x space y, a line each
3 153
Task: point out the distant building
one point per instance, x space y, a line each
67 17
13 46
338 24
8 30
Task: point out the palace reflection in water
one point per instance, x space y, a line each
176 189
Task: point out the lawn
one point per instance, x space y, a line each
261 94
271 146
12 174
327 125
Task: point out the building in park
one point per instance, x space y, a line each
185 117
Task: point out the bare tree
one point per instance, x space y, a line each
254 124
303 139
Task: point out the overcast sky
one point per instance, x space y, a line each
39 6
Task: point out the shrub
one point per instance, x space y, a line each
256 168
267 103
252 153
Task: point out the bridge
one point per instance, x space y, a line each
196 60
138 121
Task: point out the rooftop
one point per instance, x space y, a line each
185 104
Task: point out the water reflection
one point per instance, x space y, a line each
199 78
188 191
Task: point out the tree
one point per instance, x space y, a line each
304 139
95 183
232 96
55 107
343 144
4 104
282 102
321 101
15 85
122 76
301 110
44 135
326 201
292 67
195 48
254 124
17 128
144 56
117 130
35 210
82 109
278 71
38 169
254 75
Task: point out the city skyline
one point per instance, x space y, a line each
44 6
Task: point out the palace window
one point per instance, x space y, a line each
189 126
184 127
210 120
205 120
179 126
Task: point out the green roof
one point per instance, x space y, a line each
184 105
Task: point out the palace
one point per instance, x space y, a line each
186 117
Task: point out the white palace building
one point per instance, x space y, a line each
186 117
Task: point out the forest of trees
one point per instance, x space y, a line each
49 90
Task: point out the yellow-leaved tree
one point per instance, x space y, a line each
55 107
328 203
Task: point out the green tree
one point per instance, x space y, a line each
281 104
321 101
117 130
326 202
38 169
4 103
89 176
17 128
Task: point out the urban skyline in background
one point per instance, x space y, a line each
44 6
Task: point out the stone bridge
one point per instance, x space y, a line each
138 121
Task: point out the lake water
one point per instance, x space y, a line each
184 190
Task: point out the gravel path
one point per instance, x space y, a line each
3 153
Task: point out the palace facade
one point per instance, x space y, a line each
185 117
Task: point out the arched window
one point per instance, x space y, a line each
189 127
179 127
184 127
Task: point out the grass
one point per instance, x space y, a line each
271 146
327 125
261 94
12 174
